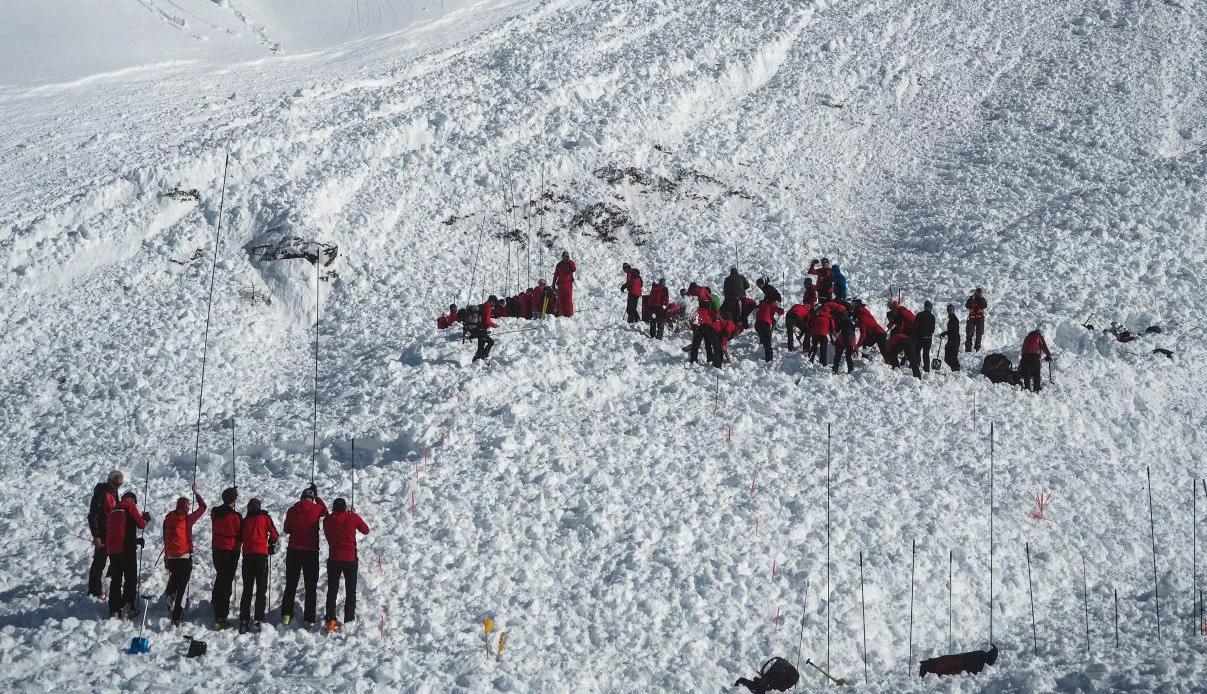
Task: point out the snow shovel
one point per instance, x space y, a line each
838 681
936 364
140 644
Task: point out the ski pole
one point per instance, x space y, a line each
838 681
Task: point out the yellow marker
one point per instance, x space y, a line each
502 645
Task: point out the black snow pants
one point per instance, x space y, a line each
301 563
255 581
346 569
764 333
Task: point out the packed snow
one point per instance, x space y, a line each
630 522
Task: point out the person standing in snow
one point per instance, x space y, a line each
810 293
1029 367
764 323
563 284
819 331
770 293
734 290
951 350
825 279
796 321
633 286
840 283
104 499
702 294
302 555
340 528
704 330
178 550
121 543
656 304
974 327
481 330
845 342
226 536
924 333
901 320
259 539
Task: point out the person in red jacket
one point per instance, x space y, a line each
447 321
259 539
302 554
340 528
1029 367
726 331
702 294
482 330
870 330
656 304
563 283
704 330
104 499
810 293
901 349
632 285
825 279
901 319
796 321
764 323
226 534
121 541
844 341
178 550
819 331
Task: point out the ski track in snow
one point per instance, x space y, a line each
582 488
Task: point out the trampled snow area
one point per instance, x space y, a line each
616 512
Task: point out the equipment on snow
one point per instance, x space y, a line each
776 675
999 369
140 644
840 681
971 663
196 648
937 363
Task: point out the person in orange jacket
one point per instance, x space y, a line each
259 539
178 549
225 537
340 528
563 284
121 542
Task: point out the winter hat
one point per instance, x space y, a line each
309 493
339 505
129 495
230 495
951 307
928 305
253 505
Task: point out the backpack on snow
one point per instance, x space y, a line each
999 369
776 675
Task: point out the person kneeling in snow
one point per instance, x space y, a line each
900 349
121 539
340 528
1029 368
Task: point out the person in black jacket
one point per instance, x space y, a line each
104 499
924 332
770 293
951 350
734 290
975 327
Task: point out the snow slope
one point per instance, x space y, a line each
618 514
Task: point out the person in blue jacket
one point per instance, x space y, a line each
840 283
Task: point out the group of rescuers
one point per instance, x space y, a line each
825 316
114 521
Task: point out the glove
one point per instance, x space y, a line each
146 515
272 548
140 542
314 488
1048 358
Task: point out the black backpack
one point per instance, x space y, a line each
470 317
999 369
778 674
